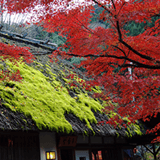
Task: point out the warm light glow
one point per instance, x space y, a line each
50 155
47 155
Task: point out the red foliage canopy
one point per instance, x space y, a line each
13 53
104 49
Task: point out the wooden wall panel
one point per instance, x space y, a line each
19 147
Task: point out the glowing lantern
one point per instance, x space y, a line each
50 155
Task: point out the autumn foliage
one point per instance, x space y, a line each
14 54
126 67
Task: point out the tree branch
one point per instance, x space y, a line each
141 65
120 50
113 5
121 8
135 63
127 45
136 52
103 7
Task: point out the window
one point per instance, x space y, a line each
96 155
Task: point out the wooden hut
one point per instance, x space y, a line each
42 118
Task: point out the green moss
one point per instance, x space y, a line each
97 89
45 100
131 128
134 128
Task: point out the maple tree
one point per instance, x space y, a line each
126 66
107 49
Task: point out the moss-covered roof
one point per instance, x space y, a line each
47 102
45 99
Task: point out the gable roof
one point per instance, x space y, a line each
44 100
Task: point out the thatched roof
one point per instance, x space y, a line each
45 101
10 120
104 129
